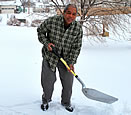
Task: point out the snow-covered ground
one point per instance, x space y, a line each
105 67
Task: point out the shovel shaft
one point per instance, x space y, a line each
64 62
54 50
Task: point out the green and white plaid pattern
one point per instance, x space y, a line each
67 41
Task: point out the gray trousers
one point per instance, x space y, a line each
48 78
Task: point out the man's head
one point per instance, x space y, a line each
70 13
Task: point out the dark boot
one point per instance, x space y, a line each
44 107
68 107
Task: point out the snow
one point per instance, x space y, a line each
10 3
105 67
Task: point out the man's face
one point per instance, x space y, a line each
70 15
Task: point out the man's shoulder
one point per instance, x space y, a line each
77 24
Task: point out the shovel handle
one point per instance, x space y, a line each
54 50
64 62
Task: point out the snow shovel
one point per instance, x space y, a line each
88 92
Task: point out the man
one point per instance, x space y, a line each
65 34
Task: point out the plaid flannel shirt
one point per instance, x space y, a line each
68 42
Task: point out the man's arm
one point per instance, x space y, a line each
76 47
42 31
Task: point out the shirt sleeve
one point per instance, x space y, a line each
42 31
75 48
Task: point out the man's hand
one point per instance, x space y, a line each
71 68
49 46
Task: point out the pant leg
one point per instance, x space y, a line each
67 82
48 78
